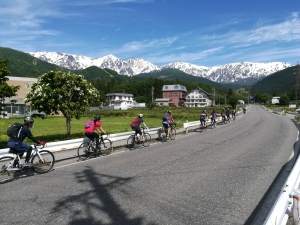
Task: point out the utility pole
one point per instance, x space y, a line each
249 91
214 100
152 92
297 86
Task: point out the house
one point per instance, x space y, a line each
120 100
163 101
198 98
275 100
19 107
176 94
241 102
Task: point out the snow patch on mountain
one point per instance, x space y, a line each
222 74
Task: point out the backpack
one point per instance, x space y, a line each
215 115
89 124
165 117
14 130
134 122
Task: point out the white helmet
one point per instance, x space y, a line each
140 115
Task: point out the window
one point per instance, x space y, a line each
28 86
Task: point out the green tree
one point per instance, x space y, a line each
262 97
62 92
242 92
233 101
6 91
284 99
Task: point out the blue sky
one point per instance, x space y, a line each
201 32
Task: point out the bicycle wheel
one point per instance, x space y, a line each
146 139
107 147
44 162
215 124
172 134
84 151
6 174
131 142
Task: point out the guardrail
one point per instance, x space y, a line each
280 211
74 143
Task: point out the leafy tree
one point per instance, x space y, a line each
242 92
6 91
233 101
262 97
284 99
62 92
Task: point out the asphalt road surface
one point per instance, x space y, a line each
222 176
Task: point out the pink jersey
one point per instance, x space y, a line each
92 128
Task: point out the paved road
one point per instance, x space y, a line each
215 177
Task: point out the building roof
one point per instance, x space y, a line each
119 94
162 100
22 78
200 89
175 87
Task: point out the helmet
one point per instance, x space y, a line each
169 112
223 109
28 120
97 118
204 111
140 115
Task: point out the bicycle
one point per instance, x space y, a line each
233 117
88 149
134 140
228 119
163 132
10 166
213 123
202 127
224 120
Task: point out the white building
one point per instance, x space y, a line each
198 98
120 100
275 100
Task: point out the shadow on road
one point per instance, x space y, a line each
96 200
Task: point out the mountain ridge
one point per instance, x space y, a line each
240 72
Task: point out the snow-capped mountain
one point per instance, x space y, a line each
222 74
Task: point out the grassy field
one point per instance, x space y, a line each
53 128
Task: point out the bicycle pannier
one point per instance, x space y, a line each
13 130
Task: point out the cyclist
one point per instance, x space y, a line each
90 132
227 112
244 110
166 119
223 115
203 117
233 113
213 116
21 147
137 128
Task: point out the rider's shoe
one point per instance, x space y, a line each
27 164
13 168
168 138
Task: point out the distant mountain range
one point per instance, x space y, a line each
241 72
24 65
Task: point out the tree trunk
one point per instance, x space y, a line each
68 124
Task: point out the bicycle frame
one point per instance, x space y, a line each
35 151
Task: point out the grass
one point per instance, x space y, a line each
53 128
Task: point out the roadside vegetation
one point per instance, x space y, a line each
53 128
